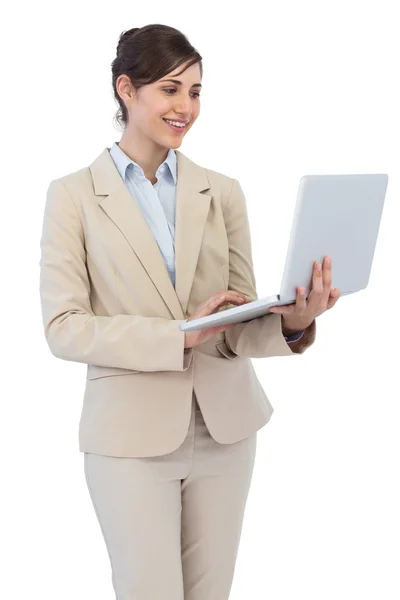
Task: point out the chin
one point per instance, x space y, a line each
176 144
171 144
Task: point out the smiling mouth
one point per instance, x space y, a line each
175 127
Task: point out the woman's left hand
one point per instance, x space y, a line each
299 316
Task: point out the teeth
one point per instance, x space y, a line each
176 123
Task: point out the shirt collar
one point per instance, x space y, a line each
122 162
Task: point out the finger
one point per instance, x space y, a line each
327 279
299 306
327 273
317 289
301 302
230 300
287 309
284 309
226 297
334 296
229 294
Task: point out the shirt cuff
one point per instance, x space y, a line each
293 338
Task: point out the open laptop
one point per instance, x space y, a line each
335 215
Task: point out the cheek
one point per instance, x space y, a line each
158 115
162 107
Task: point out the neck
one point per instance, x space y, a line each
143 151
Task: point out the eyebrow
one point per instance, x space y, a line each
180 82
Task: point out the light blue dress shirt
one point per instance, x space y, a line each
157 203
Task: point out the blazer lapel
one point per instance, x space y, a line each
192 208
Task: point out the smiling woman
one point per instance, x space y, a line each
133 245
170 49
156 80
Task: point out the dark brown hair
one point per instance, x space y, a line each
146 54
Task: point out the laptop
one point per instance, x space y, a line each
335 215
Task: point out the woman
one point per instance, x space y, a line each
133 245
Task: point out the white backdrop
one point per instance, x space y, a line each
288 89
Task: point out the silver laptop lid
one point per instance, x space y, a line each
338 216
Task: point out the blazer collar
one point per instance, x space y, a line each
192 207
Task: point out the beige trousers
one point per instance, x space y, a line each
172 523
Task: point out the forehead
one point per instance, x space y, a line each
184 74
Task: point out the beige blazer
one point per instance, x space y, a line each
108 301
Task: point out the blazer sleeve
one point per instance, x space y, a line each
261 337
72 331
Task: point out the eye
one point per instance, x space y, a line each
196 94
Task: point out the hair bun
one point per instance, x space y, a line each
125 36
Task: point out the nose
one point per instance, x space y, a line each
183 107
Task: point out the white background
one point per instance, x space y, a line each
288 89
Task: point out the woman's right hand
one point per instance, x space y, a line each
209 307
